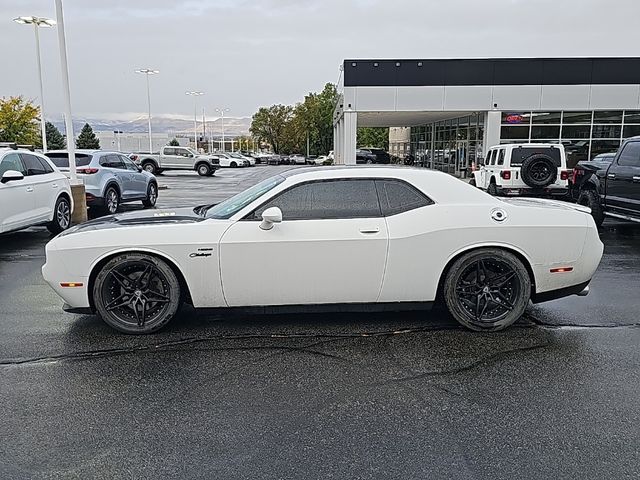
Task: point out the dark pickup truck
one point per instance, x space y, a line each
613 191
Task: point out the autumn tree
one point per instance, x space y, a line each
270 124
19 121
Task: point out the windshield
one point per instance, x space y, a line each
235 155
236 203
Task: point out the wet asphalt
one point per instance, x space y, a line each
345 396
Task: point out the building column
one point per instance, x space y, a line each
350 120
335 141
338 153
492 120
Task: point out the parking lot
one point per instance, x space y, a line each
393 395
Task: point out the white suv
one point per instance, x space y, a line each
32 192
525 169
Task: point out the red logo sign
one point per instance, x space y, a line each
514 118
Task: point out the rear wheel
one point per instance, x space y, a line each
136 293
492 189
150 167
591 199
487 290
233 165
111 201
152 196
472 182
61 216
203 170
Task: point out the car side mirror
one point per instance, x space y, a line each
270 216
11 175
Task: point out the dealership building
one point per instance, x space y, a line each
455 109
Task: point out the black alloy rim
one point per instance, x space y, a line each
488 289
137 293
540 171
152 194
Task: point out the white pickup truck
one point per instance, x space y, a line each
177 158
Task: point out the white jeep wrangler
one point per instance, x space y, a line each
524 169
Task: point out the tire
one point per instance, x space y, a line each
539 171
136 293
61 216
472 182
233 165
111 201
150 167
369 161
211 173
492 189
487 290
152 196
591 199
203 170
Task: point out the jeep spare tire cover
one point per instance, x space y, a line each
539 170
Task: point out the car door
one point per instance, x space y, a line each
329 248
137 179
184 158
17 197
623 180
113 162
45 183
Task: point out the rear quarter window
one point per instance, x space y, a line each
397 196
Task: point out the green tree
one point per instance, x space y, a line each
55 139
19 121
87 139
376 137
270 124
174 143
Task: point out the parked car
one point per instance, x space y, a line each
530 169
177 158
297 160
613 191
110 178
365 156
227 160
355 233
248 160
32 192
381 156
586 168
275 160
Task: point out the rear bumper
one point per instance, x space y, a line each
534 192
582 290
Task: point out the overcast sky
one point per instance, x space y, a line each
249 53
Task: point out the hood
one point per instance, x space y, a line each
142 217
545 203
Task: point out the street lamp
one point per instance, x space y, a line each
147 72
222 111
195 96
38 22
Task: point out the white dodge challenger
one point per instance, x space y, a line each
336 238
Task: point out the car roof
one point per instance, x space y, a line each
85 151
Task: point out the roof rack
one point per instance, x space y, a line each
11 145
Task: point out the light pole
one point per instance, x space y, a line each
195 96
38 22
222 111
147 72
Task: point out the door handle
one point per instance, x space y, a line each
29 189
370 230
611 175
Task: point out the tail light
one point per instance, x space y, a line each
505 174
88 171
564 174
577 172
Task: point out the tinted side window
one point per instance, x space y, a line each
501 157
182 152
329 199
397 196
33 164
169 151
11 161
630 155
129 165
492 159
112 161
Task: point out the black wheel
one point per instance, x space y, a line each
111 201
492 189
152 196
150 167
369 161
61 216
539 171
487 290
203 170
591 199
472 182
233 165
136 293
212 173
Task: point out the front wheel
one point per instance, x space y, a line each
152 196
203 170
233 165
111 201
487 290
150 167
492 189
61 216
136 293
591 199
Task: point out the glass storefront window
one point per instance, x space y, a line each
576 117
548 118
576 131
576 151
540 132
631 131
606 131
632 116
607 117
514 132
604 146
